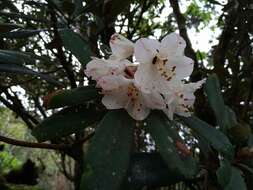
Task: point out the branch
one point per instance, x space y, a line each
32 144
60 54
219 51
17 107
180 19
44 145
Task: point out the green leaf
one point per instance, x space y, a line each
64 123
71 97
16 57
7 27
166 138
229 177
19 34
19 69
226 118
22 16
217 139
76 45
78 8
109 153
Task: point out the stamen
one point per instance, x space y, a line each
154 60
173 68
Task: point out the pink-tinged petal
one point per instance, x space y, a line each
171 45
145 50
121 47
181 65
96 68
112 82
137 110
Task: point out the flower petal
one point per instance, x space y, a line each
121 47
145 50
98 68
171 45
112 82
153 100
137 110
115 99
182 66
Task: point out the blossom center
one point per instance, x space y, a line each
160 64
132 92
129 71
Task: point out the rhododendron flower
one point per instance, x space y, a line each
121 47
98 68
161 62
155 83
181 98
120 92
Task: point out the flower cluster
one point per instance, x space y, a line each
154 81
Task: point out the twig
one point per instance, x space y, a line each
60 54
17 108
45 145
33 144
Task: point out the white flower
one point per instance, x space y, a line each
120 92
161 63
98 68
121 47
181 98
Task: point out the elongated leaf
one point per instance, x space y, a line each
64 123
216 138
19 69
7 27
71 97
230 178
18 34
170 146
225 116
16 57
149 169
23 16
78 7
78 46
109 153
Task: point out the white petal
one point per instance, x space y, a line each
96 68
145 50
112 82
148 79
153 100
169 112
144 77
195 85
183 66
115 100
172 44
137 111
182 113
121 47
